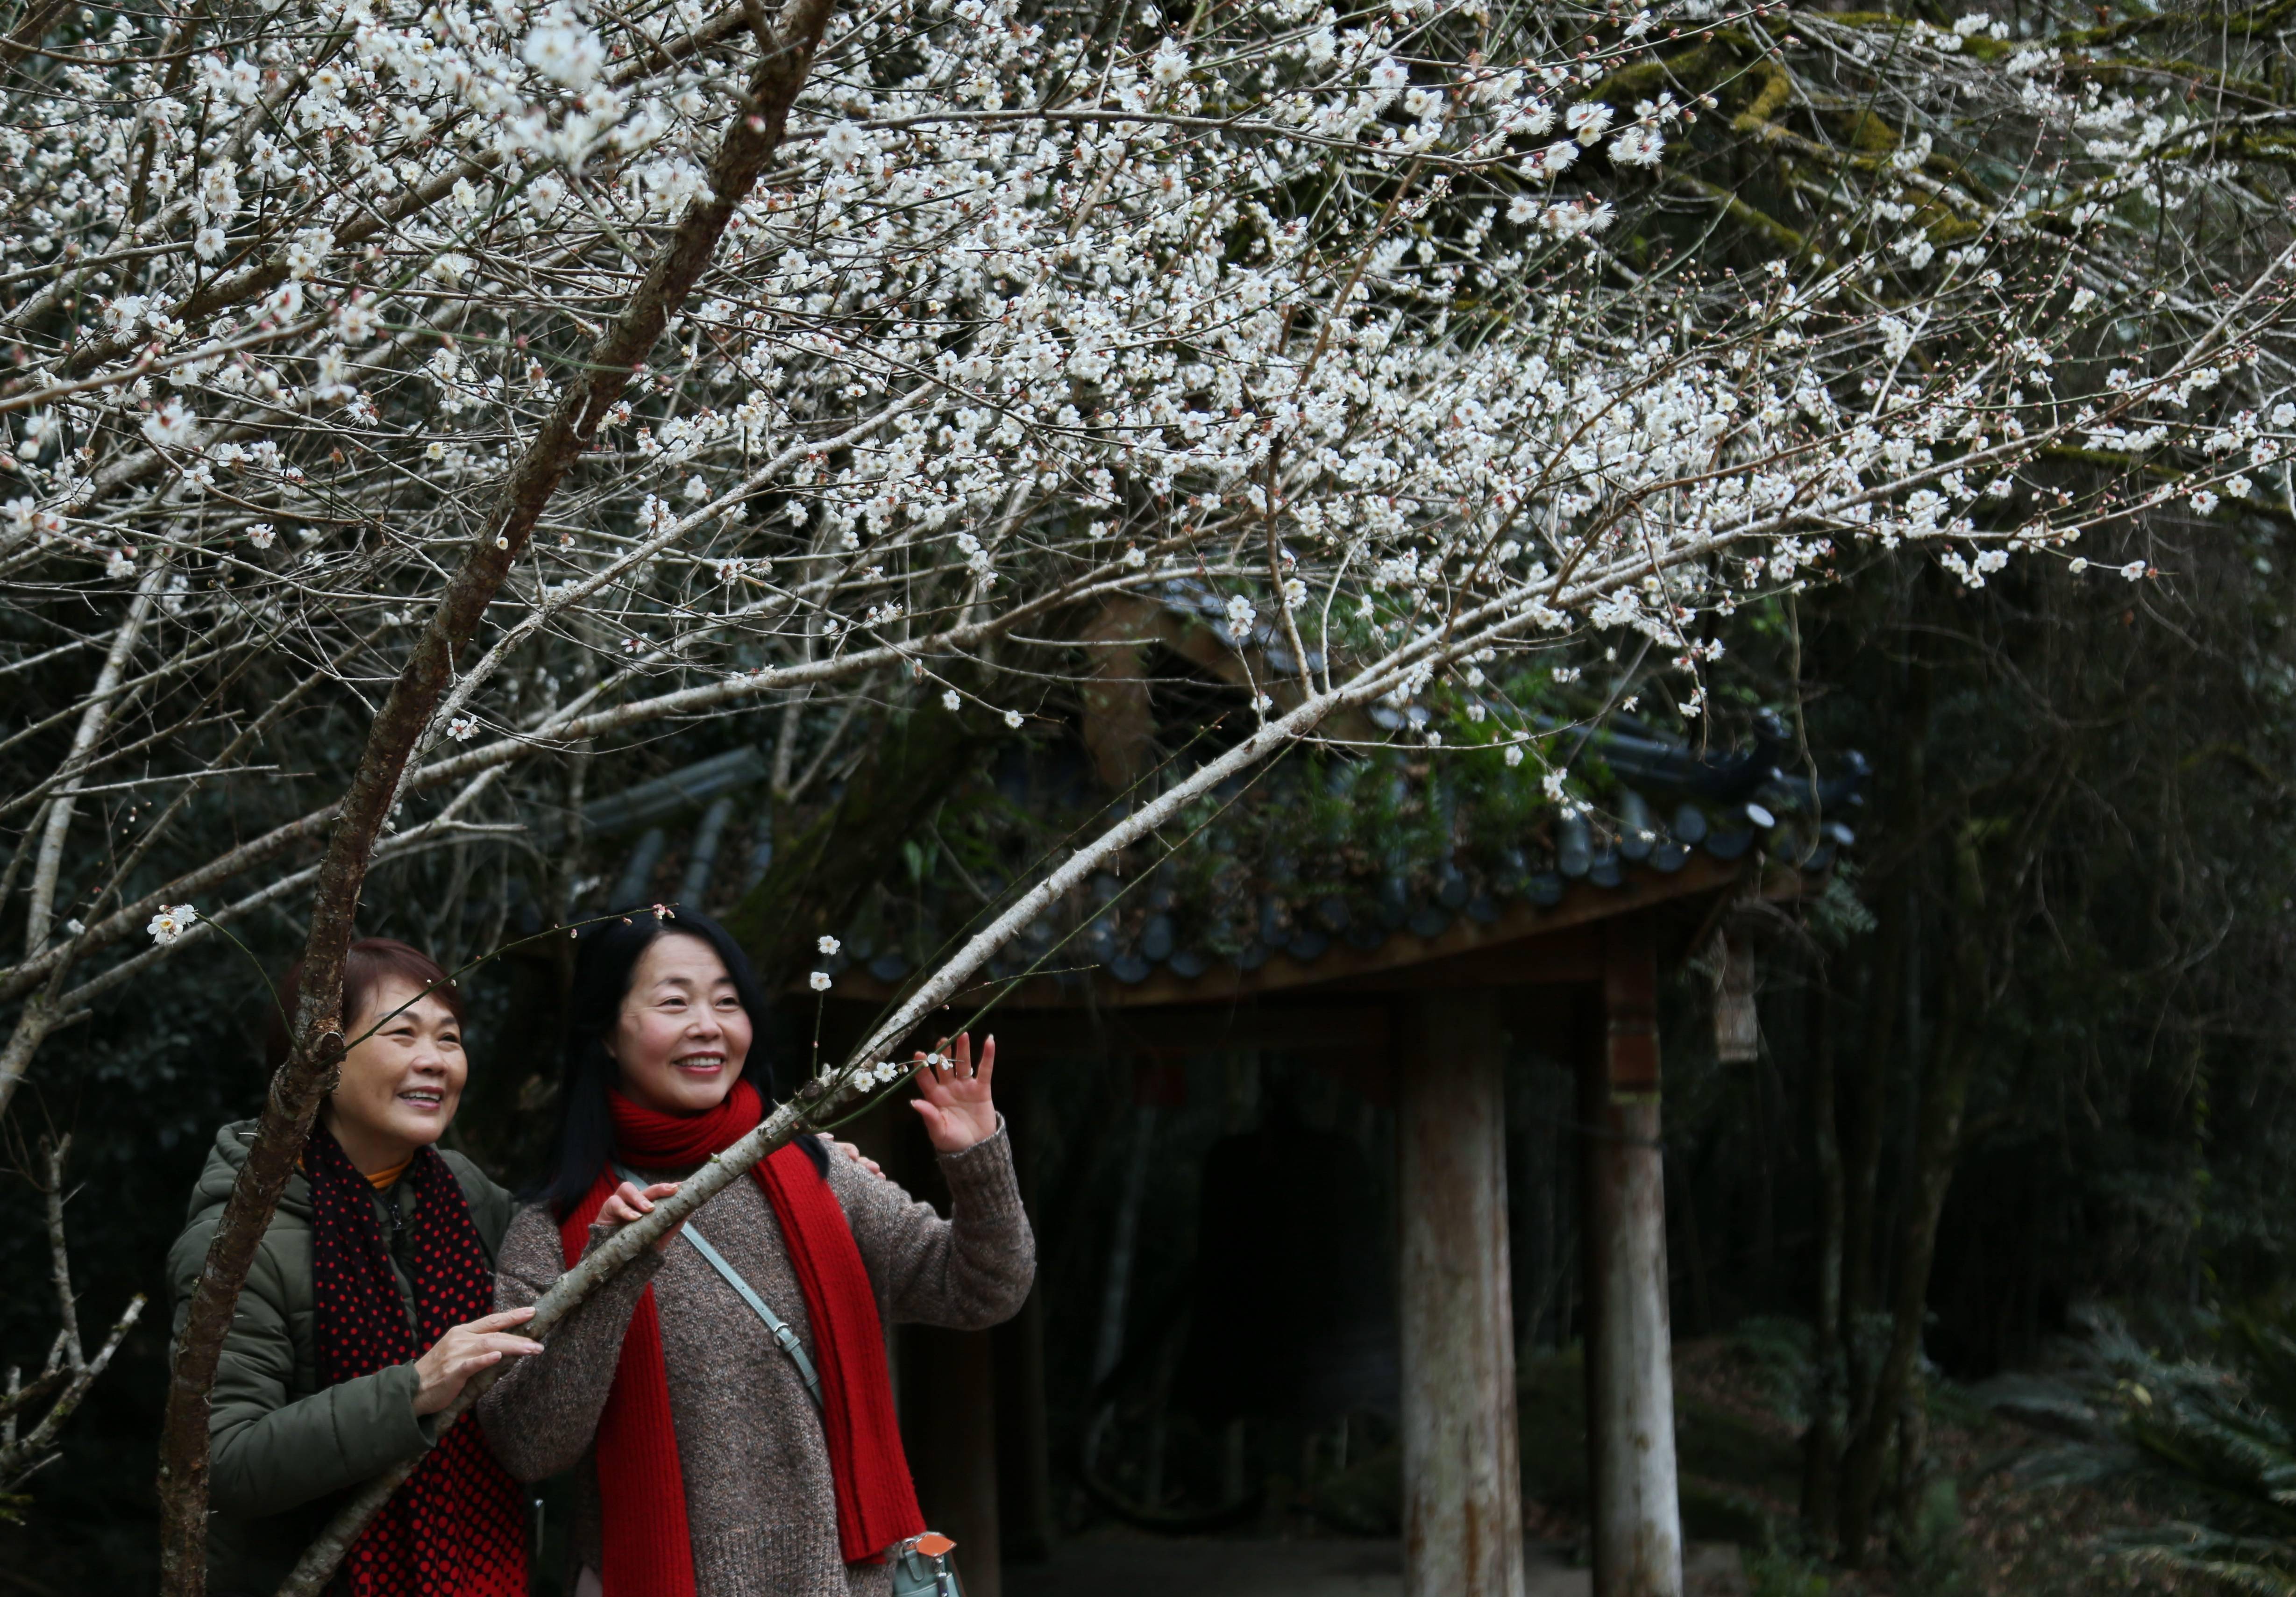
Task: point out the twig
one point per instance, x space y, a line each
69 1374
67 1307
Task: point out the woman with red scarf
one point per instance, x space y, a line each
726 1398
369 1303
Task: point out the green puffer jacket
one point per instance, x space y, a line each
285 1449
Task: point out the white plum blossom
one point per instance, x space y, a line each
562 48
355 319
1587 120
828 946
170 923
309 251
1638 147
1025 319
1241 616
818 980
172 425
844 143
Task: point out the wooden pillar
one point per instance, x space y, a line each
1462 1472
944 1383
951 1398
1636 1529
1024 1472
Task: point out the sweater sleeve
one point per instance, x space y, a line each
968 1271
540 1417
268 1454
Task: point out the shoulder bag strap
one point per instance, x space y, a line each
777 1327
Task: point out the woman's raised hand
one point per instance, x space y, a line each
627 1203
953 1095
464 1351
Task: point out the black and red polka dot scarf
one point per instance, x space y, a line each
455 1528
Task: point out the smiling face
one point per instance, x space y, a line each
683 1034
400 1087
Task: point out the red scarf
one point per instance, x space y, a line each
457 1526
647 1542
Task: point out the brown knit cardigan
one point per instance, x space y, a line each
757 1491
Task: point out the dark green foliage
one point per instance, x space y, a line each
2217 1441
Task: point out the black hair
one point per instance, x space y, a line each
605 962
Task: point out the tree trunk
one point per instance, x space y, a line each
1913 1458
820 872
1936 1137
293 1102
1884 1001
1821 1443
1862 1121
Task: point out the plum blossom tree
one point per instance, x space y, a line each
422 398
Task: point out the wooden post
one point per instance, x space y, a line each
945 1385
952 1399
1636 1516
1024 1472
1462 1472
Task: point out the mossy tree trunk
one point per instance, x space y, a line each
822 870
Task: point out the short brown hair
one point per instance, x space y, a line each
367 965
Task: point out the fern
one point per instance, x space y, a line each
2219 1441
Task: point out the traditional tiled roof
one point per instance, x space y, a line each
1329 849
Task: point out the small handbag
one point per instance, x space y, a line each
921 1566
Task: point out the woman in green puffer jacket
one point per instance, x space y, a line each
365 1312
